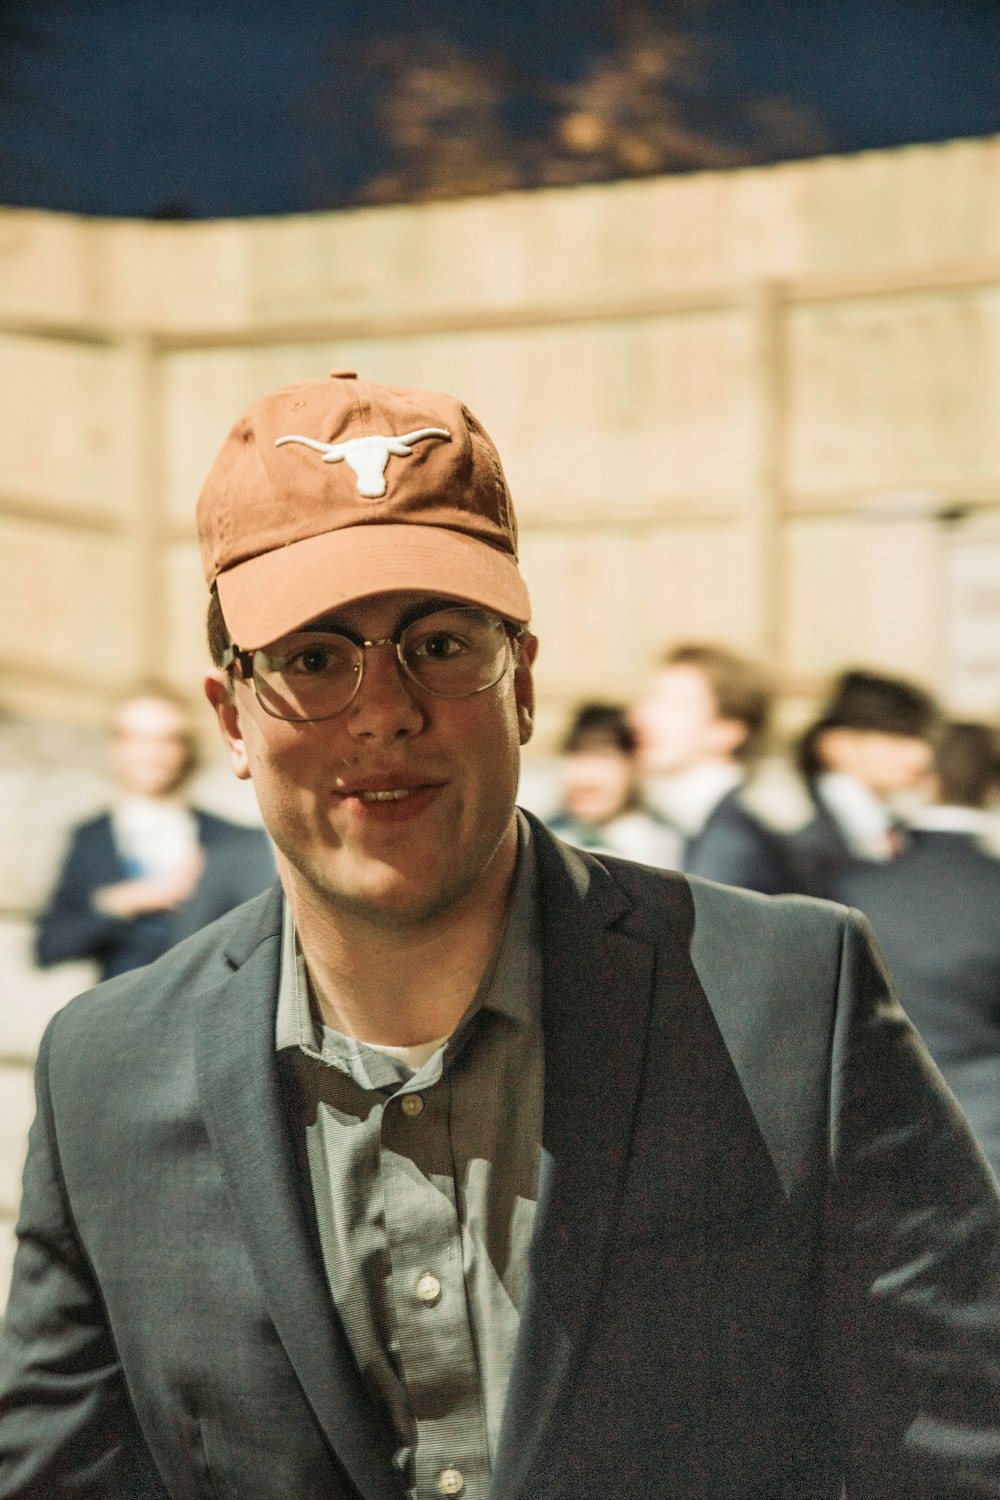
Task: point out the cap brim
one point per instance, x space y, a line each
267 596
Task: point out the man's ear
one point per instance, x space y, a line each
524 685
218 691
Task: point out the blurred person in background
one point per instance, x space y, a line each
701 725
602 804
936 911
152 868
871 746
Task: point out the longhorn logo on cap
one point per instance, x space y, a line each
367 456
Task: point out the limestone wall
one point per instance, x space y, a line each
730 404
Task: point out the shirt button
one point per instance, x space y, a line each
412 1105
429 1288
451 1482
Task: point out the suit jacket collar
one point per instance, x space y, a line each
592 1080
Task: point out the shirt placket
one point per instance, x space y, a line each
428 1294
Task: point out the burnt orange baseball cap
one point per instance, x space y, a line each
331 490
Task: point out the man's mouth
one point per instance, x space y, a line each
383 789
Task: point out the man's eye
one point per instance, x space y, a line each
312 661
441 646
316 659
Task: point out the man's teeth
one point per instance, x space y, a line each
396 796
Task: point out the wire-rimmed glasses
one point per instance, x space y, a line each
313 674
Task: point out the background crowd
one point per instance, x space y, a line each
882 802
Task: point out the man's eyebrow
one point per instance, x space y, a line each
323 622
336 626
428 607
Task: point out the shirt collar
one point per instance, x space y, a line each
690 797
943 818
865 820
511 985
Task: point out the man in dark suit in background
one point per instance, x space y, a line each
152 869
936 912
471 1164
872 742
701 724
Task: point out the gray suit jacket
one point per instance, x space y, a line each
766 1258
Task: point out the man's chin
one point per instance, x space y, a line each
388 899
398 910
402 895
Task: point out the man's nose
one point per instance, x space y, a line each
385 705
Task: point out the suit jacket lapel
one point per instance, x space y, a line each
109 865
593 1072
245 1115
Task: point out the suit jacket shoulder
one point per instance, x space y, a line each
742 942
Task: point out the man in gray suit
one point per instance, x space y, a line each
466 1163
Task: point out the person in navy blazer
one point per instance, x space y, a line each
765 1249
872 743
936 912
702 724
153 869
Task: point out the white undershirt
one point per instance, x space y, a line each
954 819
414 1057
153 836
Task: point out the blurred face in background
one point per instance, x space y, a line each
677 723
884 763
150 746
599 782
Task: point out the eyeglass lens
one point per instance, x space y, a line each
314 674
